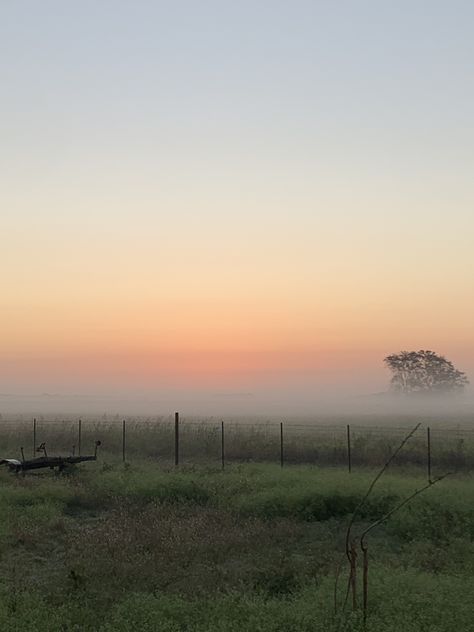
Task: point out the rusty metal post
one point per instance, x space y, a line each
176 439
349 453
365 584
353 575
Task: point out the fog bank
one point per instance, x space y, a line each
271 402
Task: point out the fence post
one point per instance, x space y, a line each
428 438
123 440
222 445
79 436
34 437
349 453
281 444
176 438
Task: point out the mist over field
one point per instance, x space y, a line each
245 384
259 405
236 316
232 209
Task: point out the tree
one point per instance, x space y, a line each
424 372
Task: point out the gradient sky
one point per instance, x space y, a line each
219 197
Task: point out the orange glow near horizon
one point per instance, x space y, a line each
273 210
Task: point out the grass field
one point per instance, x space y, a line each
323 441
255 548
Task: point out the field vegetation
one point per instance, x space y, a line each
321 441
141 546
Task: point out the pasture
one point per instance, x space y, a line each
244 544
145 545
351 442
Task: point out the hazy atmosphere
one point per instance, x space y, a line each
227 208
236 316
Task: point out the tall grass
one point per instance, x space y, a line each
200 441
253 548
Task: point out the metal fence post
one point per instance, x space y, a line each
281 444
349 453
34 437
176 438
79 436
222 445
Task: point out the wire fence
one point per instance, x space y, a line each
179 441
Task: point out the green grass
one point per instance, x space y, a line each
253 548
312 442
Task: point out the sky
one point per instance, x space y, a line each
220 201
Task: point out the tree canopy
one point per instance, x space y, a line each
424 372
